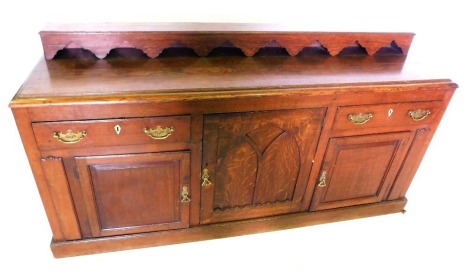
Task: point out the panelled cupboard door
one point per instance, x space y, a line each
257 164
359 169
135 193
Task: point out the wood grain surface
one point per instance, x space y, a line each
152 39
264 113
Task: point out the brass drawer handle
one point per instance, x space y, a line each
205 178
360 118
159 133
322 180
70 137
418 115
185 195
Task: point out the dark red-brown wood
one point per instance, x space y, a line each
216 231
388 115
135 192
61 197
105 133
192 77
153 38
265 127
35 160
258 163
359 169
411 163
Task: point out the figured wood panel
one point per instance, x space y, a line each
258 162
135 193
237 173
360 169
280 160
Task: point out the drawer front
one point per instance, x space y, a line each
113 132
387 115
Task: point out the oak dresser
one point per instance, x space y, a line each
151 134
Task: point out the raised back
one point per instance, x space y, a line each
153 38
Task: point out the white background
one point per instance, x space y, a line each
432 236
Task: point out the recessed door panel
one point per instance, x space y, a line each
359 169
135 193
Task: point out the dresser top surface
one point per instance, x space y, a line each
255 58
122 78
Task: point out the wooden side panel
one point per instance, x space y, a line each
359 169
23 123
60 193
416 153
411 164
259 162
135 193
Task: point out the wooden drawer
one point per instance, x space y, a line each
112 132
387 115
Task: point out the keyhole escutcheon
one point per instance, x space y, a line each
117 128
